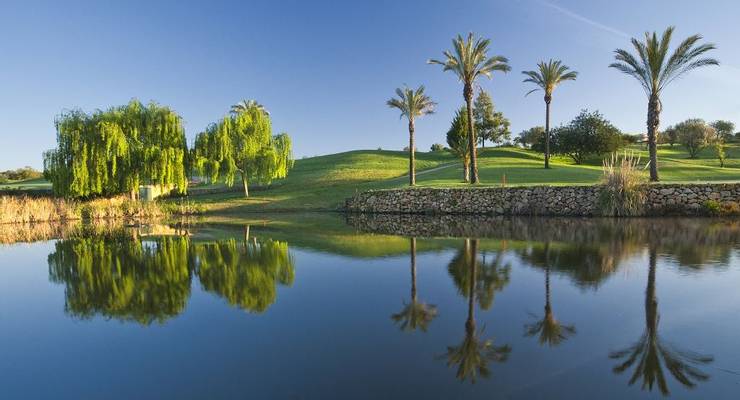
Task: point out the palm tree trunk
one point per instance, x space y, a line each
413 269
651 300
548 99
412 164
470 323
653 121
466 171
468 94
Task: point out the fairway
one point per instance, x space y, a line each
323 182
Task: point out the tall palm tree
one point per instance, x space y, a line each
469 61
473 354
245 105
412 103
655 70
416 314
651 354
549 329
548 76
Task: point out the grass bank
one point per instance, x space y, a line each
322 183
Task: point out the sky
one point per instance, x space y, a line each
324 69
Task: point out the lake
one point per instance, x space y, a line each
322 306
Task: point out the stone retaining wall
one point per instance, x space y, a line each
661 199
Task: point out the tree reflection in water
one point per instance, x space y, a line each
122 276
548 329
414 315
474 353
650 355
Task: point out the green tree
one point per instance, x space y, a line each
457 139
246 105
114 151
412 103
724 129
670 136
490 124
588 134
530 137
469 60
695 135
547 77
416 314
651 356
243 143
654 69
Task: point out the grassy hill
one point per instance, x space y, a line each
322 183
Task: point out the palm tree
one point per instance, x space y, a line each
652 355
549 329
655 70
470 61
412 104
473 354
245 105
415 315
549 75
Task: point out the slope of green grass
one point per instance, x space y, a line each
322 183
39 183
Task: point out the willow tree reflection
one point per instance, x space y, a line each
122 276
119 276
650 355
548 329
474 353
244 273
414 315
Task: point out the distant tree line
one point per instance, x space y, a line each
20 174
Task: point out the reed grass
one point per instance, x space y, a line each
28 210
622 193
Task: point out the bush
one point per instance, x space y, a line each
588 134
622 193
438 147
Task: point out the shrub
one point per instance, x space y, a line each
588 134
712 207
622 193
438 147
723 129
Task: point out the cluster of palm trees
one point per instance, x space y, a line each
651 65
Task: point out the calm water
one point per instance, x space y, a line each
321 308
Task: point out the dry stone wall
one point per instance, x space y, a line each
661 199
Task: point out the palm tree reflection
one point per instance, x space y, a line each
548 329
415 315
650 355
474 353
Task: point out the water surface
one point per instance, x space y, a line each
323 307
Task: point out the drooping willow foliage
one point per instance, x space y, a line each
114 151
243 144
145 280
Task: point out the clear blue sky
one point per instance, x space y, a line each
325 69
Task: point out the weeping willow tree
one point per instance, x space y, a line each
114 151
243 144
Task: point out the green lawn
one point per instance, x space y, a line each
34 184
322 183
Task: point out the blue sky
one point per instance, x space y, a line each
325 68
